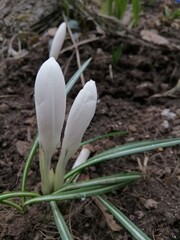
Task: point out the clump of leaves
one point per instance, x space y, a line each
118 8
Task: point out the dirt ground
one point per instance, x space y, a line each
125 91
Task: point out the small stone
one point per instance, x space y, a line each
4 108
165 124
168 114
132 128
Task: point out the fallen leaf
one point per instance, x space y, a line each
173 92
22 147
108 217
150 204
153 37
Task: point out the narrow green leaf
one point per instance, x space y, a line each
8 195
12 204
28 163
136 6
121 7
125 150
112 134
76 194
77 74
137 233
109 6
105 180
60 223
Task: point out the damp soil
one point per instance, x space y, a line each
125 103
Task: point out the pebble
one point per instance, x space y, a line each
4 108
168 114
165 124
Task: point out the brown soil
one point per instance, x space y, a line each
125 103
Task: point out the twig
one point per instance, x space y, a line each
80 43
76 49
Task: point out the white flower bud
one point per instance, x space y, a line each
50 103
81 113
58 41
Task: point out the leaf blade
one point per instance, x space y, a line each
125 150
60 223
136 232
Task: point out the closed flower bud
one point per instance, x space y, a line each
50 103
80 115
58 41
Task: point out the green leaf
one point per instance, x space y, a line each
105 180
60 223
77 74
175 14
137 233
28 163
120 8
167 12
109 4
112 134
125 150
12 204
8 195
136 7
77 194
116 54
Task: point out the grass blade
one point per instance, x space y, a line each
60 223
125 150
136 232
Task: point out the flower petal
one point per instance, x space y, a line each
81 113
58 41
50 103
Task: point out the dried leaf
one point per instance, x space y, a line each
22 147
174 92
153 37
108 217
150 203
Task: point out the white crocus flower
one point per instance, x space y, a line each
58 41
81 113
50 103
